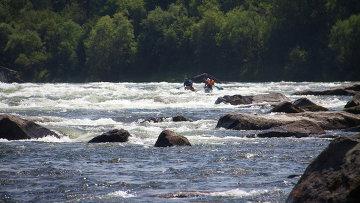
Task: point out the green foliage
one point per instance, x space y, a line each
110 47
77 40
345 40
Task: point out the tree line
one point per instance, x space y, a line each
148 40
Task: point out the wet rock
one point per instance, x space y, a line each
353 129
178 118
287 107
168 138
293 176
16 128
353 110
333 120
245 121
308 105
7 75
326 120
261 98
346 90
355 101
112 136
333 176
301 128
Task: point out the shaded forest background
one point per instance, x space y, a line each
148 40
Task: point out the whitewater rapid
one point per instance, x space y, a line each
221 165
82 111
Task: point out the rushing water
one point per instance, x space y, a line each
222 165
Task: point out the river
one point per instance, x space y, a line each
221 165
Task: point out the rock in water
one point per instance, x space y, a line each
353 110
308 105
245 121
334 175
287 107
261 98
168 138
16 128
301 128
112 136
346 90
327 120
180 118
355 101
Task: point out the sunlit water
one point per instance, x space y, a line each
222 165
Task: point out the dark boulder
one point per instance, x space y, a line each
7 75
332 120
287 107
16 128
333 176
353 110
355 101
168 138
308 105
346 90
327 120
180 118
112 136
245 121
301 128
261 98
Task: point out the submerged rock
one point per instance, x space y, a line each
16 128
333 176
346 90
188 194
168 138
178 118
355 101
261 98
112 136
307 105
324 120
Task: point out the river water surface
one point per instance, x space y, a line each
220 166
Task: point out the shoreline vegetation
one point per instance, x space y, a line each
146 40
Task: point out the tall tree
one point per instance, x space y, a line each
110 48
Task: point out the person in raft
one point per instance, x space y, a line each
209 83
188 85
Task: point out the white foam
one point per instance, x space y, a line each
120 193
52 139
239 193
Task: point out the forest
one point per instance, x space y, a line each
148 40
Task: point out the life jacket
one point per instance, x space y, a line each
210 82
